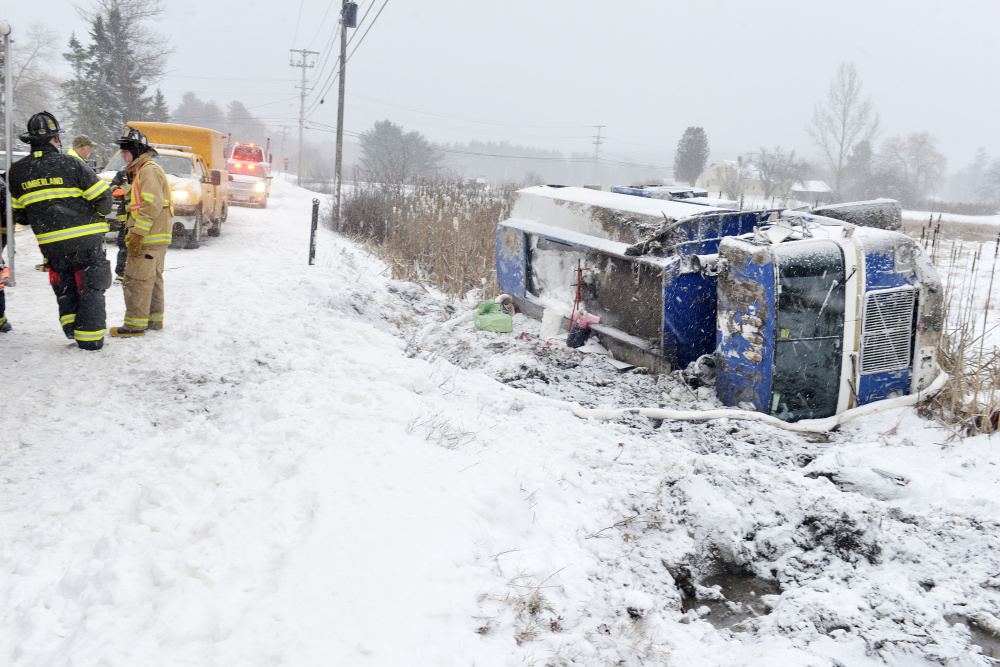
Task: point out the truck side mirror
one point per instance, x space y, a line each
216 177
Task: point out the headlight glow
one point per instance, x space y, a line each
260 187
181 196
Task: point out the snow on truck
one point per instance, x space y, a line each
249 168
804 316
193 159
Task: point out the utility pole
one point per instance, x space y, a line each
302 102
597 150
8 219
348 19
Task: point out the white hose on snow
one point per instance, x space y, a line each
801 426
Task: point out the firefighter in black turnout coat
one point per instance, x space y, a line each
65 204
4 324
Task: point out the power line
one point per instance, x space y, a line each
328 84
362 21
335 71
366 31
321 24
577 159
297 18
219 78
302 102
473 120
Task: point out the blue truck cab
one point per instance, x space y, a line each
816 316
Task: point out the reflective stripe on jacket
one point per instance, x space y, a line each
151 211
61 198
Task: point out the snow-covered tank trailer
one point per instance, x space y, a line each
817 316
655 310
880 213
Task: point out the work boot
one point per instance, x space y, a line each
125 332
42 267
118 280
5 327
155 327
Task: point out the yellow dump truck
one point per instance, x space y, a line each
194 161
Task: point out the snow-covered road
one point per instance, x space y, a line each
282 477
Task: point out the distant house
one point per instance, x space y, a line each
811 191
736 178
731 178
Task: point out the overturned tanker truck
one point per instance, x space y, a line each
806 316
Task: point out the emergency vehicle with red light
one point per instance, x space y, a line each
249 168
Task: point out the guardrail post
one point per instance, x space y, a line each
312 233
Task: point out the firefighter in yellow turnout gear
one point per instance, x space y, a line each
149 224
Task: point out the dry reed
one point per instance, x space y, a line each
432 233
966 256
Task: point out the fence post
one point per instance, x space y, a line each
312 233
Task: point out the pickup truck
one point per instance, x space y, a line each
192 158
249 168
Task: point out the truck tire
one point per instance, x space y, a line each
217 225
194 238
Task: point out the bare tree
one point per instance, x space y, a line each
391 156
989 188
843 120
778 170
732 177
33 86
915 161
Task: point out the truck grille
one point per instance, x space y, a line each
887 331
241 188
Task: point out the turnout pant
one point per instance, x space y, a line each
3 299
143 288
122 252
79 280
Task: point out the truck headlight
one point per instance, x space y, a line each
181 196
260 186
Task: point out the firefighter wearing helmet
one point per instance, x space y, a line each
149 223
65 204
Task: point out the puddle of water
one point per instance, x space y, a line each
984 639
742 592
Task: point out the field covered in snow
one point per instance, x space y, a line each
291 474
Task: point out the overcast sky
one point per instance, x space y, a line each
546 73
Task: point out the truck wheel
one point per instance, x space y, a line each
194 240
217 225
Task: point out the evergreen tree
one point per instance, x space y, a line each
159 111
194 111
108 84
858 171
692 155
243 127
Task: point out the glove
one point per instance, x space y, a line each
134 244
